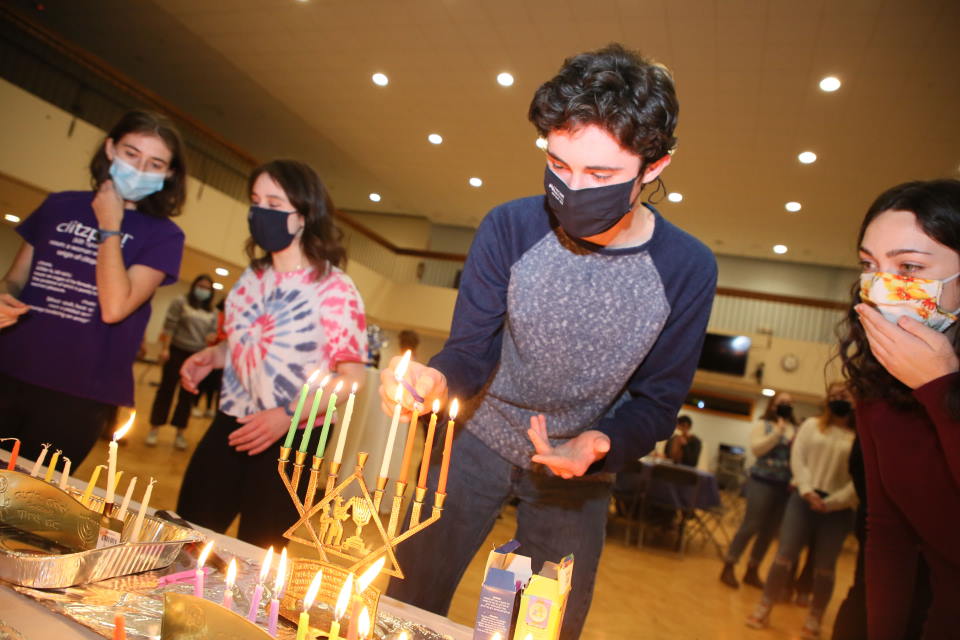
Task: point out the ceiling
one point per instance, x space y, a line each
292 78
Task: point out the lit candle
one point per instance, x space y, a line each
343 601
53 466
135 533
408 446
228 584
88 492
65 474
364 624
198 575
39 461
347 415
303 625
305 440
112 461
288 442
497 636
370 574
12 463
258 591
428 446
126 500
119 627
325 432
392 434
447 448
277 588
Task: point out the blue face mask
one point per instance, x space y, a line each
132 184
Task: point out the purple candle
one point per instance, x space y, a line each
258 592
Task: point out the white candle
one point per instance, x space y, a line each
39 462
112 458
228 585
348 413
198 575
126 500
392 435
65 476
135 532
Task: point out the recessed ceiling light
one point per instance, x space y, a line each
768 392
435 138
807 157
505 79
779 248
541 143
380 79
218 286
830 83
793 207
220 271
673 196
475 182
9 217
375 197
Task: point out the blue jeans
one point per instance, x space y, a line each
765 505
555 517
828 531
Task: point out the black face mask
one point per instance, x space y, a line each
269 228
840 408
785 411
586 212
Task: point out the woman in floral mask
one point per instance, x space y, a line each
900 356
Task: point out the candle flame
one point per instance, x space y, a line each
122 431
436 405
454 408
370 574
353 388
265 567
231 573
207 548
497 636
313 376
363 624
281 574
337 388
344 598
313 591
326 379
401 369
529 636
404 636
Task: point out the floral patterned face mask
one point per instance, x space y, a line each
919 298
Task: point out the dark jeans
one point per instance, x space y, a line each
209 388
828 531
555 517
170 385
221 483
765 504
37 415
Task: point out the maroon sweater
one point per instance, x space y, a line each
913 506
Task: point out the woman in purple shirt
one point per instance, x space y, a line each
76 300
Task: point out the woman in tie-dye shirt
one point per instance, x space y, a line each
293 311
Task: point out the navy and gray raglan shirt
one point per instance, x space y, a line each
542 325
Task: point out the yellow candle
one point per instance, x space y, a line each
428 446
347 415
53 466
447 448
112 458
85 499
65 475
303 625
343 601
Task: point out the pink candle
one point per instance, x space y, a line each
277 588
258 591
199 574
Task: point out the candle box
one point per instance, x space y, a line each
544 601
506 573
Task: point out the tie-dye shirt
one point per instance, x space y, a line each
282 326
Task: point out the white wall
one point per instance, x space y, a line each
786 278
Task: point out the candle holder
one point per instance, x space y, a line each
186 616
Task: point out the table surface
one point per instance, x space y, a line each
32 620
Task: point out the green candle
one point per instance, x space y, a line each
326 420
313 415
288 442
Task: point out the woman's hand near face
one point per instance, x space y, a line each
108 207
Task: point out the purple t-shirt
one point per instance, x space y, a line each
62 343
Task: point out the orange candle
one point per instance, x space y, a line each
447 448
12 464
119 627
408 446
428 445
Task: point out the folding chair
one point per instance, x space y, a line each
628 490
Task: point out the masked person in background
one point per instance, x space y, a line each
900 354
76 300
188 326
291 312
568 300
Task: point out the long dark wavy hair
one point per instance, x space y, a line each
167 202
936 205
320 240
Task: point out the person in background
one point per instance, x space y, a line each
209 387
75 301
900 354
185 329
821 508
409 341
684 447
767 489
291 312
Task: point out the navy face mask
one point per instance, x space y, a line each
586 212
269 228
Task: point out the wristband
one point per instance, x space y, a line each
103 234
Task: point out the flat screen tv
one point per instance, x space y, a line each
725 354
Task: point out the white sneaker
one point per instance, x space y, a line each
196 413
151 439
180 442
